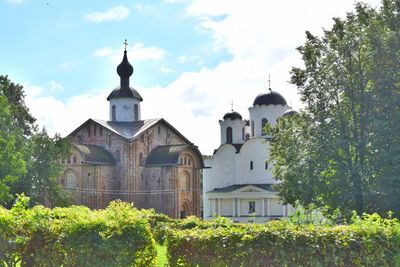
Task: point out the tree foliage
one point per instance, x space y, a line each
29 158
343 151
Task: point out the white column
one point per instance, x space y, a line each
233 207
268 207
210 202
263 208
216 206
219 206
238 207
283 210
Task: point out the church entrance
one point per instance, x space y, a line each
185 209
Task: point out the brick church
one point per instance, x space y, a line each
147 162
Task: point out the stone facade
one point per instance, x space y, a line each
147 162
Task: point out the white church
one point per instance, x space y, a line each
237 179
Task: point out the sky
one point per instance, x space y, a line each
192 58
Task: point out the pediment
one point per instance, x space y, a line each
250 189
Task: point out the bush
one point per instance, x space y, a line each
76 236
367 242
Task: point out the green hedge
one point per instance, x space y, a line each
369 242
75 236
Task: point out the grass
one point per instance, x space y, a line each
162 259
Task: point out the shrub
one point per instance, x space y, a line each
76 236
367 242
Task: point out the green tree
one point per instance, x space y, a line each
12 165
343 150
14 93
29 159
43 167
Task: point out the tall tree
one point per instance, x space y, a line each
42 155
14 93
29 159
348 133
12 165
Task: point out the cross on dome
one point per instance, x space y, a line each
269 82
126 44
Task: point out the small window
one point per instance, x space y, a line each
251 165
229 135
136 112
113 113
118 154
159 130
263 123
74 159
69 160
189 162
247 136
252 206
185 161
252 128
140 159
101 131
266 165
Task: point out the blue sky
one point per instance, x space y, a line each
192 58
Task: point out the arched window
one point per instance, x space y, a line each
251 165
229 135
263 123
70 180
136 112
252 128
140 159
243 133
184 181
113 113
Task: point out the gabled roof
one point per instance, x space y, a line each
236 146
231 188
169 155
130 130
95 155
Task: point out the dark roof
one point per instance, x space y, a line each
270 98
232 115
231 188
169 155
128 93
130 130
290 112
95 155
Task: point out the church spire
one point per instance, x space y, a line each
125 70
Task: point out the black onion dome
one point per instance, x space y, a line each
125 69
271 98
290 112
233 116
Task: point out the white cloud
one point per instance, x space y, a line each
55 87
63 117
261 39
116 13
137 52
16 2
